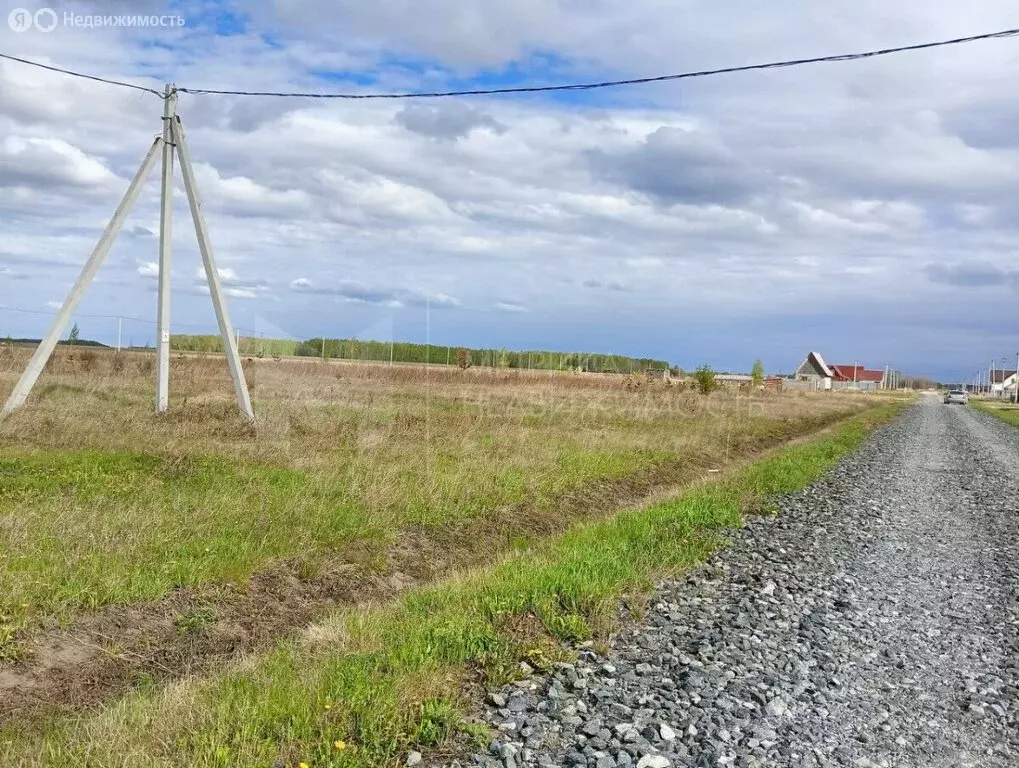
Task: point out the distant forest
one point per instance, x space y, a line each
62 342
406 352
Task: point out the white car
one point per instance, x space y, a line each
956 396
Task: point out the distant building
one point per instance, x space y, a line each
849 376
815 373
1003 383
734 379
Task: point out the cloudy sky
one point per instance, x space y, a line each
863 209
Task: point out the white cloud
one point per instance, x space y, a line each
242 196
35 160
510 306
442 300
148 269
241 293
644 262
227 275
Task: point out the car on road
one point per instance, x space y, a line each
956 396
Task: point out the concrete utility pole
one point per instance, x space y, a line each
172 137
165 254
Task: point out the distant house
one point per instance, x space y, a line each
813 373
1003 383
857 376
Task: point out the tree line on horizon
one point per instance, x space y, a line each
409 352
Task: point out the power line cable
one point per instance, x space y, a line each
614 83
545 88
82 75
76 314
48 313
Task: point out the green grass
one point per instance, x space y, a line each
87 528
1006 412
387 678
82 529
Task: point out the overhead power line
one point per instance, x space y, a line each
146 321
546 88
82 75
613 83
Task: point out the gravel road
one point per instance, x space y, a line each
873 622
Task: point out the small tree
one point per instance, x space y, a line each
705 378
74 335
503 358
463 359
757 373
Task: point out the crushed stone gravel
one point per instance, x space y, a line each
872 623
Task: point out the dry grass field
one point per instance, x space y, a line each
138 549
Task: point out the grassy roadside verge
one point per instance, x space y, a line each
1006 412
360 688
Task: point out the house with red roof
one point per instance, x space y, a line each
857 374
815 373
1003 383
